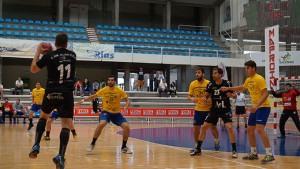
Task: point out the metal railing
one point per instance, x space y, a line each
222 30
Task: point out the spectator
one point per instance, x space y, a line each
102 84
163 87
19 85
173 89
1 91
78 86
7 109
141 79
156 82
86 86
160 76
19 110
95 86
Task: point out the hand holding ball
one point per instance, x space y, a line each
46 48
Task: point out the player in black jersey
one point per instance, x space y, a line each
58 94
96 107
220 109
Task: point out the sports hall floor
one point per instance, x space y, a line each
153 145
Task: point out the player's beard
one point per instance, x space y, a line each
199 78
111 84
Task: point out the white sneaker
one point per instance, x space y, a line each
125 150
91 147
234 154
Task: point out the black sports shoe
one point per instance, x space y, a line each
30 126
196 152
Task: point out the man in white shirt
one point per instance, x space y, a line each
241 104
19 85
1 91
160 76
163 87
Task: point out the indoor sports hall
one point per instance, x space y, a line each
154 65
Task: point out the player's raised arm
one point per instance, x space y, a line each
236 88
91 97
34 68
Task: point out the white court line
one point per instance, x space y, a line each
180 148
210 167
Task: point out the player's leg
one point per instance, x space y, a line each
97 133
73 132
126 131
199 117
33 109
10 115
48 128
251 137
245 120
231 135
15 116
215 133
283 118
295 117
201 138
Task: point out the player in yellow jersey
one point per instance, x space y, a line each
260 110
37 99
54 116
111 98
197 89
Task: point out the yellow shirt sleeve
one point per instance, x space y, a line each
262 84
191 91
100 92
0 105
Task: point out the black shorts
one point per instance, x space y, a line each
240 110
213 117
63 101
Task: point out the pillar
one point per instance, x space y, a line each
126 76
60 9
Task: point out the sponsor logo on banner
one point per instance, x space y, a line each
148 112
94 50
161 112
135 112
186 112
286 59
82 111
173 112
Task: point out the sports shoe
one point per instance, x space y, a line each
75 137
34 152
46 138
217 145
268 158
91 147
59 161
251 156
30 126
125 150
196 152
234 154
195 147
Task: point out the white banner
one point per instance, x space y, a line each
286 58
271 55
222 66
93 50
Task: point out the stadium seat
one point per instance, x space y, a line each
183 43
38 22
138 29
1 20
108 33
40 35
157 30
151 30
215 45
73 25
151 41
165 53
123 51
152 53
46 29
210 39
103 38
47 35
125 28
59 24
148 35
164 31
112 27
16 33
205 34
15 21
192 54
132 28
66 24
213 51
158 41
186 38
198 55
154 35
158 53
85 37
70 36
137 51
138 40
128 34
117 51
119 28
111 39
177 42
38 28
101 32
196 44
164 42
220 51
135 34
24 34
208 44
192 38
170 31
200 33
8 27
202 44
61 30
53 35
224 56
67 30
31 34
53 30
117 39
30 22
74 30
175 48
161 36
76 37
179 37
190 43
173 37
44 23
168 36
80 25
211 56
182 32
1 32
207 51
131 40
122 34
171 42
141 35
188 32
22 21
52 23
145 41
185 54
204 39
145 29
124 40
194 32
205 55
82 31
7 20
145 52
16 27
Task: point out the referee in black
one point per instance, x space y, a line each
58 94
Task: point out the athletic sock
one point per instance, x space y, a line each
64 139
233 146
269 151
47 133
199 145
73 132
253 150
30 120
124 144
94 141
40 128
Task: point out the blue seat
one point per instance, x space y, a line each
192 38
198 55
200 33
24 34
158 41
174 37
47 35
208 44
205 55
177 42
141 35
176 31
138 29
145 52
31 34
215 45
84 37
137 51
68 30
40 35
220 51
138 40
175 48
169 31
73 25
123 51
178 54
8 27
194 32
135 34
145 29
185 54
7 20
145 41
38 22
30 22
158 30
210 39
172 53
38 28
80 25
179 37
61 30
103 38
205 34
16 27
201 50
183 43
119 28
125 28
190 43
152 53
182 32
207 50
211 56
53 30
198 38
158 53
152 30
118 39
111 39
213 51
168 36
164 42
66 24
16 33
164 31
54 35
122 34
44 23
117 51
124 40
186 38
108 33
224 56
204 39
23 21
76 37
52 23
132 28
101 32
154 35
112 27
128 34
131 40
192 54
15 21
74 30
59 24
194 49
171 42
196 44
161 36
168 48
1 32
188 32
82 31
148 35
46 29
202 44
151 41
165 53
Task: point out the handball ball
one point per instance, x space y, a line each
46 47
